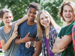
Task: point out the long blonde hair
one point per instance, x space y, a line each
40 27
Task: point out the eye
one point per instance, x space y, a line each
46 17
41 18
6 17
34 13
65 10
9 16
29 11
70 11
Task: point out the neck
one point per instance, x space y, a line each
30 22
7 29
46 28
68 23
47 31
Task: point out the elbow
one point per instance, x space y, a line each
4 50
53 51
16 41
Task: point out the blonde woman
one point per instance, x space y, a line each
47 31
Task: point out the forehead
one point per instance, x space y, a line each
67 7
32 9
43 15
7 14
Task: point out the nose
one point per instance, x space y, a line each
31 14
68 12
45 19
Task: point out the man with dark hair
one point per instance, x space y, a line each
28 32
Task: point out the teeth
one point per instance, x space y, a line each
8 21
31 16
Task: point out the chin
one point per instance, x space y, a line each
9 25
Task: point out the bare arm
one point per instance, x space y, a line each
6 45
20 21
24 40
62 43
38 48
56 50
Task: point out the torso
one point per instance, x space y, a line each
24 29
65 31
5 36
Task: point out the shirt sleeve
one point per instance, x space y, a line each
59 35
69 30
1 37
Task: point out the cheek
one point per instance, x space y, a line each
40 21
12 19
28 14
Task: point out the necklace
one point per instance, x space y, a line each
47 36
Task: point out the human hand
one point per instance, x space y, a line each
28 44
14 35
26 38
33 44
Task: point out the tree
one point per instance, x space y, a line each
53 6
19 7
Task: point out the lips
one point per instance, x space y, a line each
45 23
68 17
31 17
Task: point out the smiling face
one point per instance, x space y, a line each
7 19
44 20
32 12
68 14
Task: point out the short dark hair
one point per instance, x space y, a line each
4 11
34 5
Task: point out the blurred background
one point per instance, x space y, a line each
19 8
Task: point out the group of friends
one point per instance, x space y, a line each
30 37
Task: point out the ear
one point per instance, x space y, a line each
74 16
62 13
1 19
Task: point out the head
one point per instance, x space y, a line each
6 17
32 11
44 19
67 11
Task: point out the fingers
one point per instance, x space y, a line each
15 32
28 44
28 34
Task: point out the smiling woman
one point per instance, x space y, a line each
47 31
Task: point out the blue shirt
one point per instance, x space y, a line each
24 29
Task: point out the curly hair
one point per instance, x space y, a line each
34 5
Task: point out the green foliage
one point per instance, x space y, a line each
19 7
